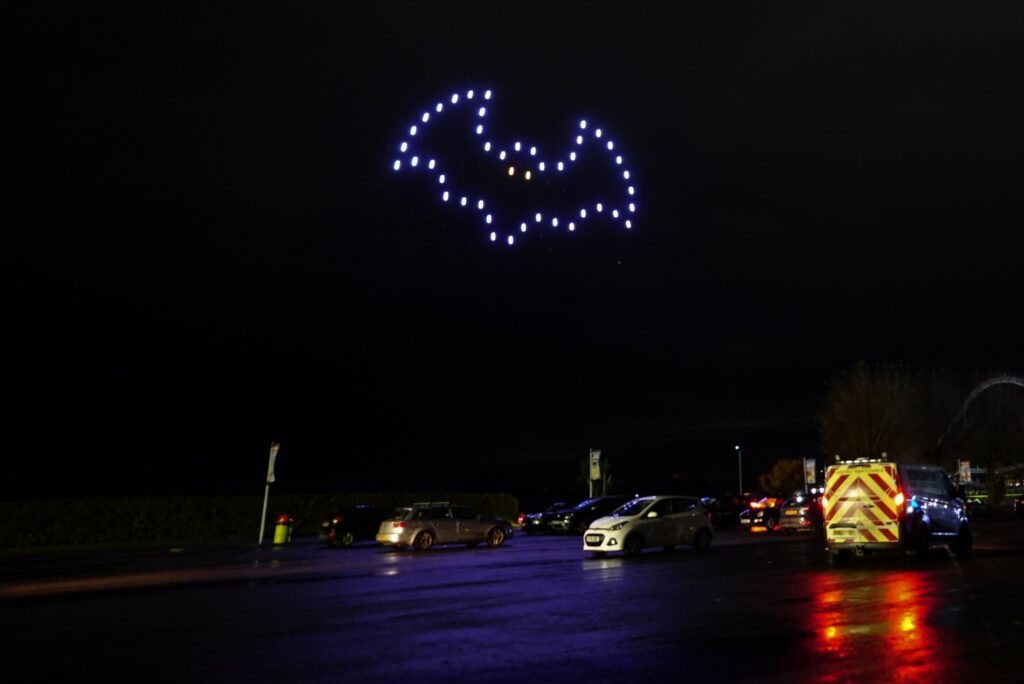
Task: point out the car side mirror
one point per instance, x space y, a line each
652 514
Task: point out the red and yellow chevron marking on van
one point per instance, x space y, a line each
862 503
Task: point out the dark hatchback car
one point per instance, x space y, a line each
764 519
356 523
575 520
540 523
724 510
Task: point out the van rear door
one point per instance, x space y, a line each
861 505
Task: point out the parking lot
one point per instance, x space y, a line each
534 609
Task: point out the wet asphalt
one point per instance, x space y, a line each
537 609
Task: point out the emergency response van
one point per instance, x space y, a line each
880 506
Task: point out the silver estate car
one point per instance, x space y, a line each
425 524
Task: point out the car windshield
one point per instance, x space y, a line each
584 504
797 501
631 508
399 513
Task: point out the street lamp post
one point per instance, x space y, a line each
739 462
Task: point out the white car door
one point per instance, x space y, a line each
687 519
657 525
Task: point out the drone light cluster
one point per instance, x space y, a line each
523 161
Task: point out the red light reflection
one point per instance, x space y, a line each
862 620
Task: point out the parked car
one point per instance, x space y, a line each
540 523
759 520
356 523
665 521
426 524
801 513
725 509
576 519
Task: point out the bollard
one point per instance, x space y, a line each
283 529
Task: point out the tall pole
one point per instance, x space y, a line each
739 462
263 518
274 446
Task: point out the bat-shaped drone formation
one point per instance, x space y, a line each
520 162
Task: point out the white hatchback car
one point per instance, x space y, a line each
665 521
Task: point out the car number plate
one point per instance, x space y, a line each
593 538
792 512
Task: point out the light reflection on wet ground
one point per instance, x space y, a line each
883 616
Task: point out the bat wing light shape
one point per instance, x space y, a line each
517 161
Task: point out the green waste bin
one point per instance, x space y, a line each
283 529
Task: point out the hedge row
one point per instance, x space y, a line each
119 520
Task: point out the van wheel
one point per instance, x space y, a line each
964 541
841 556
634 545
922 543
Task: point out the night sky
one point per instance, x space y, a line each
207 248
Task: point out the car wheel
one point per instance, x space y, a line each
964 541
702 539
423 541
346 539
634 545
495 537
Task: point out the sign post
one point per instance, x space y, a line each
274 446
965 471
810 472
595 469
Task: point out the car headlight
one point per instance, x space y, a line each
619 525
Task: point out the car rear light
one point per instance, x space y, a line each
900 498
400 523
338 519
758 528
